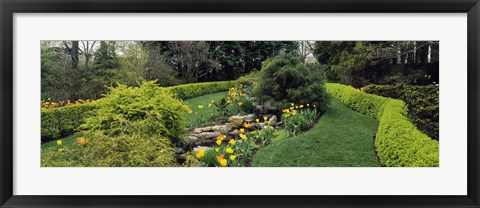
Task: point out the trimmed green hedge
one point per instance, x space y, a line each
188 91
398 142
61 122
422 102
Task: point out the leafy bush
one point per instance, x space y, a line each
250 78
135 126
422 102
398 142
124 109
286 79
98 150
188 91
124 150
60 122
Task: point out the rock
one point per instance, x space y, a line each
236 119
249 118
235 122
270 108
273 120
259 108
232 134
208 135
197 131
196 149
207 129
179 150
219 128
191 139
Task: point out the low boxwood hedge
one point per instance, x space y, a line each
61 122
398 142
188 91
422 102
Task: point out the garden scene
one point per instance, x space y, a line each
239 104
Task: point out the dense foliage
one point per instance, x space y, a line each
60 122
422 102
136 126
398 142
358 63
124 108
286 79
188 91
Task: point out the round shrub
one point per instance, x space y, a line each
285 79
124 109
135 126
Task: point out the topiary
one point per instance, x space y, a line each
285 79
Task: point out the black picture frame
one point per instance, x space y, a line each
9 7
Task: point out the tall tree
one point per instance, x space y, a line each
73 52
87 50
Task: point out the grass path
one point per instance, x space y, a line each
342 138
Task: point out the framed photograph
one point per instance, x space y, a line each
268 103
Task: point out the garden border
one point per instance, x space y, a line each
10 7
418 149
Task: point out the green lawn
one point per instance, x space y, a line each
342 138
202 115
66 142
50 157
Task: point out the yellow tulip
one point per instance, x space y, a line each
219 142
232 157
232 141
242 130
200 154
221 137
223 162
257 120
229 150
82 140
243 136
59 142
